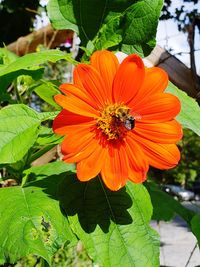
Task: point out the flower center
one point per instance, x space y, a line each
115 120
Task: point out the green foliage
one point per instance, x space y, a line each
34 59
190 111
27 65
20 125
31 216
109 223
46 91
126 25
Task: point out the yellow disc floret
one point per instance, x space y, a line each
111 121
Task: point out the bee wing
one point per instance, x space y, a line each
136 116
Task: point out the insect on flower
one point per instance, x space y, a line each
129 123
117 120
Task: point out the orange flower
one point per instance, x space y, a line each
117 120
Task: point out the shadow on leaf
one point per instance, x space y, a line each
91 201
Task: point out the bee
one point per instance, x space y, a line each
129 122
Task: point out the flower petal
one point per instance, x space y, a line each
138 163
76 105
78 137
66 118
115 169
163 133
106 64
84 152
91 166
76 91
128 79
155 81
137 177
161 156
158 108
89 79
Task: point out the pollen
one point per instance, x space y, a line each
112 119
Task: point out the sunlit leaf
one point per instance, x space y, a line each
31 217
190 110
114 226
124 24
46 91
6 56
19 130
46 136
35 59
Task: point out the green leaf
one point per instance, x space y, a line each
110 23
19 130
35 73
114 226
165 206
35 59
48 171
57 19
46 91
46 136
31 219
190 110
29 65
7 56
195 226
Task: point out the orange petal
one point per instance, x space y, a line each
76 105
106 64
158 108
91 166
138 163
115 169
78 137
161 156
76 91
155 81
163 133
137 177
128 79
89 79
66 118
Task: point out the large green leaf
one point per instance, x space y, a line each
29 65
190 110
35 72
124 24
46 91
31 219
46 136
6 56
114 226
35 59
18 131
